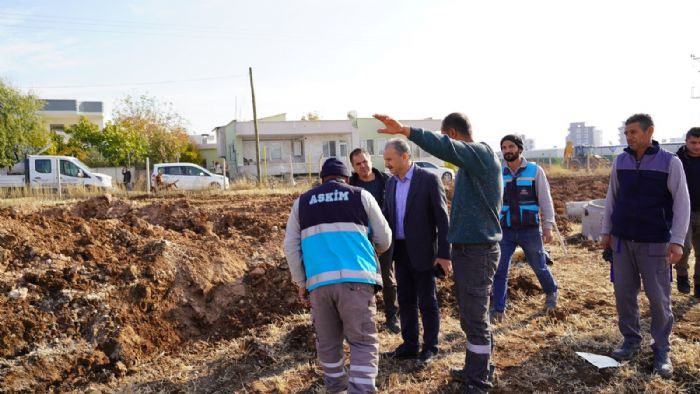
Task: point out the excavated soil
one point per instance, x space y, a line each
93 290
577 188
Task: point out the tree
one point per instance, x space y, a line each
162 128
21 129
123 146
312 115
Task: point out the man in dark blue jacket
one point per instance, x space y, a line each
374 181
690 157
645 222
329 243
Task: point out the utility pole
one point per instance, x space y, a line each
255 124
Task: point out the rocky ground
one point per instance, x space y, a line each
192 294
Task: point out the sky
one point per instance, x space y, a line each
528 67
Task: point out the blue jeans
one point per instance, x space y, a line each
530 239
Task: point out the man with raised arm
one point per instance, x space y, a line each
474 233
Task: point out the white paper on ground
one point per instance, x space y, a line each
598 360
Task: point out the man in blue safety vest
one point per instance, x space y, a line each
330 242
525 194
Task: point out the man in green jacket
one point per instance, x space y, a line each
474 233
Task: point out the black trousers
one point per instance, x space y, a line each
416 291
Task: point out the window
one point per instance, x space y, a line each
425 164
42 166
369 145
380 145
274 150
297 149
70 169
174 170
329 149
190 170
187 170
343 149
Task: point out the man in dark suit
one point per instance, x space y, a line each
416 208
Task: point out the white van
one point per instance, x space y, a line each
187 176
43 171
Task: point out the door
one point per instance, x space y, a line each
196 177
71 174
42 172
173 174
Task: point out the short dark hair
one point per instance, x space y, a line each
357 151
459 122
694 132
644 120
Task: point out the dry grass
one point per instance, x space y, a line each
25 198
535 352
559 171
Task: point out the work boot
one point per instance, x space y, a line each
626 351
662 365
392 324
426 356
683 284
401 353
550 303
458 375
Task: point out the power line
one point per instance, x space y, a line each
67 23
102 21
139 32
139 83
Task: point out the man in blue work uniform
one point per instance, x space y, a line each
330 244
525 193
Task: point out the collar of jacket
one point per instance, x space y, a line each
652 149
378 175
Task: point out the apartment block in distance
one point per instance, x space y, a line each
580 134
59 114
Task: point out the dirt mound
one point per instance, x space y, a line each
574 188
99 288
584 242
520 286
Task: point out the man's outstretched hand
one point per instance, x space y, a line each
391 125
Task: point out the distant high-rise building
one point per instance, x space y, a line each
580 134
528 143
621 135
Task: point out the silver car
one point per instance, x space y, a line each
444 173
